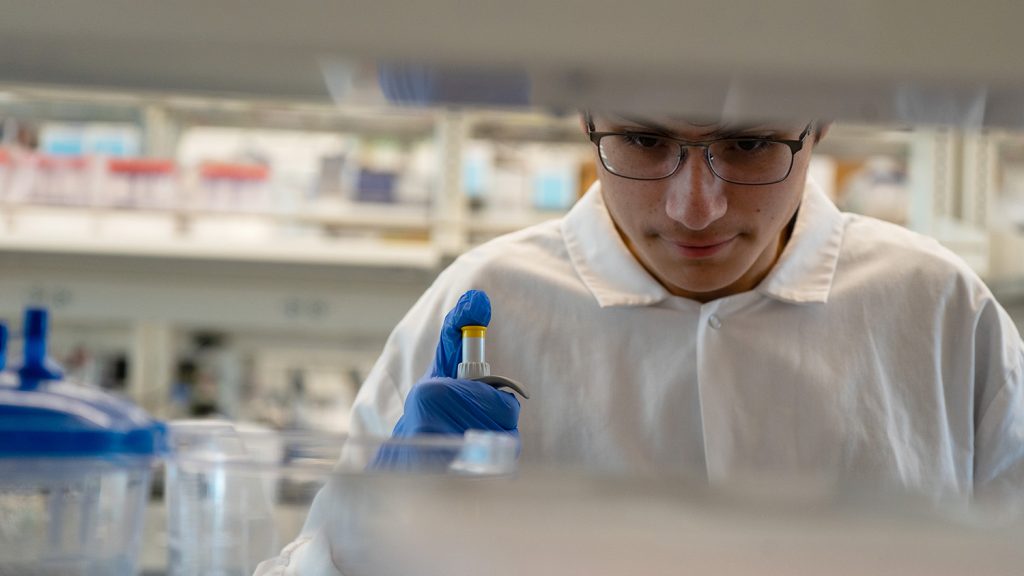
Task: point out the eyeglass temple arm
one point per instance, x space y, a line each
806 131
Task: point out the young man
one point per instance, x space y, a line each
706 310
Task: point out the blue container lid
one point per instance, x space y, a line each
43 416
58 419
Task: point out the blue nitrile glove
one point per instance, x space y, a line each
441 404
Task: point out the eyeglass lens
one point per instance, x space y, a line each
743 161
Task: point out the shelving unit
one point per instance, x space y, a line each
994 177
949 202
444 225
334 282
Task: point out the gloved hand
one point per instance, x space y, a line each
441 404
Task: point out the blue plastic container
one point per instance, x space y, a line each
75 466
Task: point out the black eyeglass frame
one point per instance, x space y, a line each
794 146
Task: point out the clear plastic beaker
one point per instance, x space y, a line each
235 496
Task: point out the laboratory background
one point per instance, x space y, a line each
231 249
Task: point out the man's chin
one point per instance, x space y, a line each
696 287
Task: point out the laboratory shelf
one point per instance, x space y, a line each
860 141
209 234
341 252
349 215
520 126
495 224
374 216
77 103
429 204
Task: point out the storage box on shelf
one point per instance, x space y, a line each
6 170
368 174
262 190
232 187
520 169
140 183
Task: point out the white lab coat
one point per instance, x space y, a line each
869 353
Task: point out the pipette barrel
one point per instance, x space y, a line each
473 344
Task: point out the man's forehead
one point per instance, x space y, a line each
700 126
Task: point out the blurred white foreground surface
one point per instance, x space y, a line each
545 524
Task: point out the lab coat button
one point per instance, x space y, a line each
714 321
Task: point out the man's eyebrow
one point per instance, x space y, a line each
645 123
720 131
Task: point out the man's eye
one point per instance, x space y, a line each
642 141
749 145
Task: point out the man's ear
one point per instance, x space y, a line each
821 130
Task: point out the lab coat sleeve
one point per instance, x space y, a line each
407 354
404 360
999 410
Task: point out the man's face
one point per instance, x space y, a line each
702 237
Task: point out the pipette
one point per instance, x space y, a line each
474 364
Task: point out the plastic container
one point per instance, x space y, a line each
63 180
74 470
236 496
234 187
5 173
141 183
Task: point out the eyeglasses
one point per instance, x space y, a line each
743 160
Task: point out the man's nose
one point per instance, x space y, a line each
695 196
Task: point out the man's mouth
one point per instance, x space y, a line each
700 248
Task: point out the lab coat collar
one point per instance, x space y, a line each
805 270
613 275
610 271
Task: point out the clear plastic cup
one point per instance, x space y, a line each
72 516
236 496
